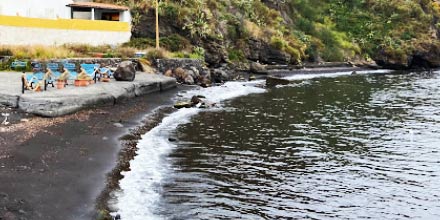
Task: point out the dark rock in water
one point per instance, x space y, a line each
258 68
206 82
195 100
171 139
125 71
118 217
354 73
272 81
180 105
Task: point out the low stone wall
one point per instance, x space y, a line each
170 64
112 62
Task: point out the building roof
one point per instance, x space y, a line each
97 5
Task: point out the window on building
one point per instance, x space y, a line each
110 16
82 13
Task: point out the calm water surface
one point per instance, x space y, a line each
349 147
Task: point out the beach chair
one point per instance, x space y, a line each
55 69
92 70
31 80
105 72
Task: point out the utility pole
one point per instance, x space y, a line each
157 24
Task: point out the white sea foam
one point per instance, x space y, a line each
229 90
140 187
331 75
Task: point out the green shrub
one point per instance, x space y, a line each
174 42
169 10
140 43
198 53
235 55
295 53
155 54
278 42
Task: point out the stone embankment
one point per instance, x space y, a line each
54 102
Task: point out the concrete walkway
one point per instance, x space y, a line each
57 102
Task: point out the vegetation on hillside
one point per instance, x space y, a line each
307 30
400 32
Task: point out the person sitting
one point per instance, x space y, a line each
83 75
65 75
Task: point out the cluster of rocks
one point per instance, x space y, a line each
189 76
194 71
196 101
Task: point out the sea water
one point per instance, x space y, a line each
326 146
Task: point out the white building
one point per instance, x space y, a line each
56 22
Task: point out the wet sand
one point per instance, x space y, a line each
57 168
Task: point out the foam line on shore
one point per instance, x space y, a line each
336 74
140 187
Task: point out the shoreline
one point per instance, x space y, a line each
128 151
129 141
60 169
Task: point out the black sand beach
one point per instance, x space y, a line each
57 168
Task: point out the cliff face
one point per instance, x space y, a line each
395 33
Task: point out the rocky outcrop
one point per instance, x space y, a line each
187 71
125 71
215 53
164 65
196 101
426 55
167 25
258 50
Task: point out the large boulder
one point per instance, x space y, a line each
125 71
219 75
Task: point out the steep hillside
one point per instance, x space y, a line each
396 33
